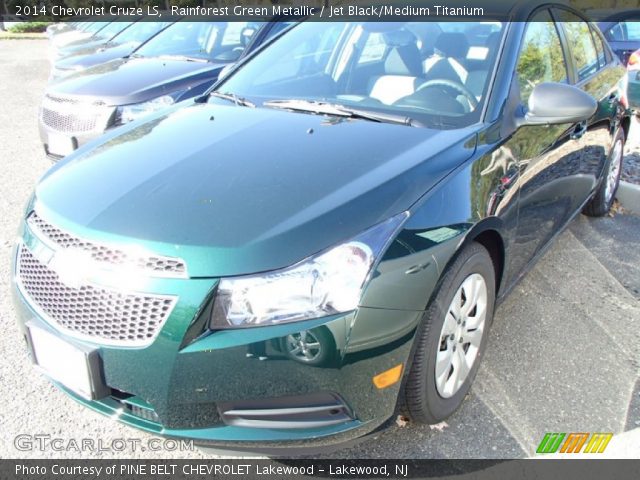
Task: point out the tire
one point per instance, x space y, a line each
430 398
601 202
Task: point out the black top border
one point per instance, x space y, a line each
288 10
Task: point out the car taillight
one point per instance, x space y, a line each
634 61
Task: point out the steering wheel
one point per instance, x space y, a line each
457 87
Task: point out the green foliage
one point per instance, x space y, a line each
29 27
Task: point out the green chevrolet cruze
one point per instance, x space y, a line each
273 265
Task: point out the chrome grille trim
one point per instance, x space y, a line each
91 312
110 257
74 116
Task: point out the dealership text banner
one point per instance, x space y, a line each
299 469
260 10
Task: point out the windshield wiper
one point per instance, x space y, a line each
184 58
232 97
327 108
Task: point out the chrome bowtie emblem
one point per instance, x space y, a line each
72 266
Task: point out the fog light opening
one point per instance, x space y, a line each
388 377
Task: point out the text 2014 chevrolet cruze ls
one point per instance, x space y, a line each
270 266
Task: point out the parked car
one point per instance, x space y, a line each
344 176
57 28
179 63
633 81
622 31
97 40
82 32
68 26
120 46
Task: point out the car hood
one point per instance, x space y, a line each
96 56
234 190
82 46
133 80
67 38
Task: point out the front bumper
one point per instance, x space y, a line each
66 123
184 384
75 140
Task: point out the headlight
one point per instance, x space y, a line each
324 284
129 113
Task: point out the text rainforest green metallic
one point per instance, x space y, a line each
268 269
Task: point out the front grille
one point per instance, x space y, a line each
97 314
153 265
73 116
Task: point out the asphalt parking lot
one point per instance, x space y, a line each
564 354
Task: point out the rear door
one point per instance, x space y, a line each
596 73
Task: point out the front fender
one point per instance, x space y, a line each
474 199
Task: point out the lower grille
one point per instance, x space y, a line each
97 314
72 116
315 410
141 412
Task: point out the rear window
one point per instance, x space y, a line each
629 30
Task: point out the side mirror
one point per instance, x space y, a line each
555 103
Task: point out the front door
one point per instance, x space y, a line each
548 156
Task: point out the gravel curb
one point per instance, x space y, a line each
629 196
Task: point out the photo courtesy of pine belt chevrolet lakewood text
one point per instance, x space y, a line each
279 262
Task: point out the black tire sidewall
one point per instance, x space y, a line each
598 205
607 205
434 408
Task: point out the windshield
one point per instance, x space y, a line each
139 32
112 29
435 73
210 41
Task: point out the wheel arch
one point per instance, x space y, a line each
488 234
491 239
625 123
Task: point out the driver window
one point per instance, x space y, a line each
541 58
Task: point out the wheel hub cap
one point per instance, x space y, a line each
461 335
304 346
614 171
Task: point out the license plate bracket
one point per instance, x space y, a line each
59 144
75 366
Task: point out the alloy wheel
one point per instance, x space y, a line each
304 346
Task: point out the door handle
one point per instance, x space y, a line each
579 130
